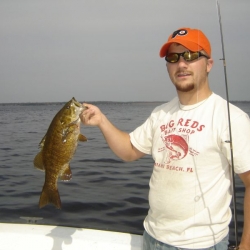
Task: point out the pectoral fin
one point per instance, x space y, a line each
66 175
38 161
82 137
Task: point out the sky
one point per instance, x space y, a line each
108 50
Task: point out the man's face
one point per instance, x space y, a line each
188 76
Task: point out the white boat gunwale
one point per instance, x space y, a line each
48 237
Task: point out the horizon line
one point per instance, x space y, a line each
54 102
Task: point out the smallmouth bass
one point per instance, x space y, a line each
57 149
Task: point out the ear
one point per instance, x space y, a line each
210 63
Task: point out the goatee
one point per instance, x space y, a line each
185 88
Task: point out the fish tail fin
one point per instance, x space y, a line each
50 196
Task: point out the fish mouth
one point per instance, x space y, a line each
78 104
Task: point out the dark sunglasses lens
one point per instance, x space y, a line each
172 58
190 56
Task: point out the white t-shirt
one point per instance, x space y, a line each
190 191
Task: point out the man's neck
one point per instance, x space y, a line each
193 97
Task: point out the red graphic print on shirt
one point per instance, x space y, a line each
177 145
175 136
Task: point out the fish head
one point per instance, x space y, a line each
71 111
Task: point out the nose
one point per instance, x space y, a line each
182 63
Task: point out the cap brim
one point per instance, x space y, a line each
189 45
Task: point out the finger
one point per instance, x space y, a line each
83 117
87 105
86 108
86 118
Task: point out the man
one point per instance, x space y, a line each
188 138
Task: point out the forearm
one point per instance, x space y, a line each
118 141
245 240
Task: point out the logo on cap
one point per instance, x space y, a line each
179 33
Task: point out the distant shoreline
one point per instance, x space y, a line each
92 102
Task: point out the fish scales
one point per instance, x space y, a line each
57 149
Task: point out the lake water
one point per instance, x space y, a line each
105 193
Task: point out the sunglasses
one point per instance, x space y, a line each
188 56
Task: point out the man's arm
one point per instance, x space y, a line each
118 141
245 240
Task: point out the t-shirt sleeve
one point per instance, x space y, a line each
141 137
240 128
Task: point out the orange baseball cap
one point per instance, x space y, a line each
192 39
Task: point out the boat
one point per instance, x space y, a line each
48 237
